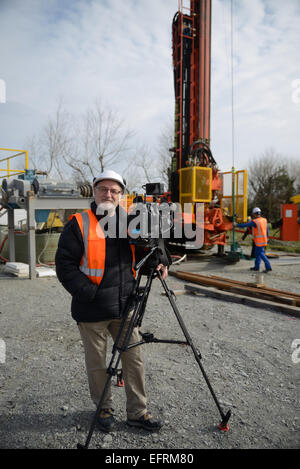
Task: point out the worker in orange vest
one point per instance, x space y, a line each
260 233
98 270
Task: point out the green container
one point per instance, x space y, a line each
45 244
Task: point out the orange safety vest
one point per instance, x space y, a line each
92 263
259 233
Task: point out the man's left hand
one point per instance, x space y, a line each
164 270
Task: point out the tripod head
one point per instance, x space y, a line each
155 254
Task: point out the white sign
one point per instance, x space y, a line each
288 213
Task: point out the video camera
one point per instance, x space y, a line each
150 223
150 217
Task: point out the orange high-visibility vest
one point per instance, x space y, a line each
259 233
92 263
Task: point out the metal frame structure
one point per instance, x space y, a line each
239 186
39 203
8 170
191 52
191 32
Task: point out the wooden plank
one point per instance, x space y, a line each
238 282
245 300
224 281
226 284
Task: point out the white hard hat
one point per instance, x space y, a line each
256 210
112 175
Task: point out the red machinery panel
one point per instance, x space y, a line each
289 230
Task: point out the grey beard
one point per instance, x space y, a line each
106 206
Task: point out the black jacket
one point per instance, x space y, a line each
90 302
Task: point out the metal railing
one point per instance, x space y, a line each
8 170
240 190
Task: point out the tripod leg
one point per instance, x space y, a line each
120 345
225 417
94 421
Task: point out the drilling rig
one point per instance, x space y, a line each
194 174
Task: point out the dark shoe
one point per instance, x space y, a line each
146 422
253 268
267 270
106 420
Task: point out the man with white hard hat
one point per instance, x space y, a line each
98 271
260 234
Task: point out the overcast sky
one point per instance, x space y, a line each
120 51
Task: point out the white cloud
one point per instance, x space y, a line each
266 57
120 51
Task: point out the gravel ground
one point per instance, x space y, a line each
246 353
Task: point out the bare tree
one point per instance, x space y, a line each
293 168
270 184
143 160
80 147
155 165
134 179
32 145
103 140
51 149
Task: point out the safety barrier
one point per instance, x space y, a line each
9 171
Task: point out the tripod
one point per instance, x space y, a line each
137 304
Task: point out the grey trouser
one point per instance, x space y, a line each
94 336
